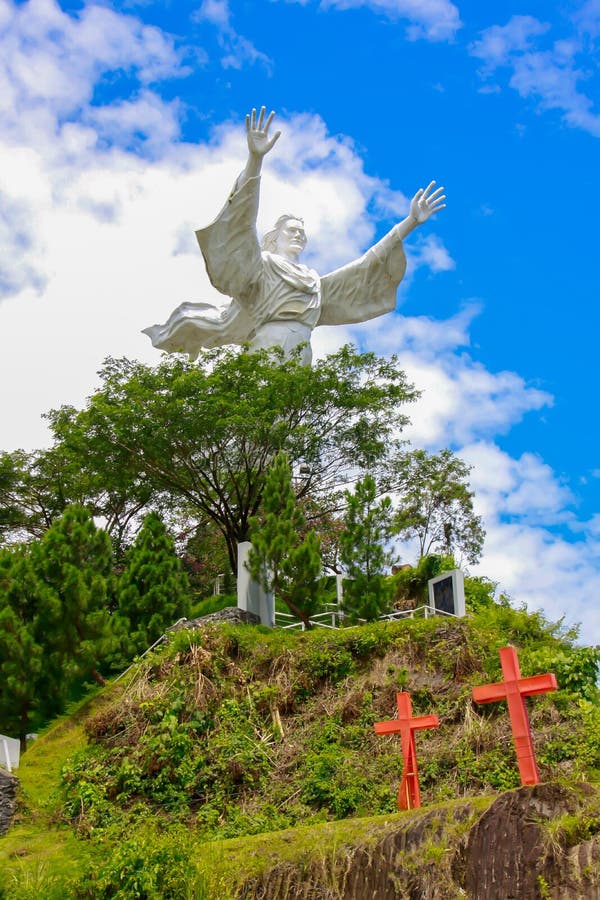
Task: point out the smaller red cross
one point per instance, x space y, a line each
409 795
514 689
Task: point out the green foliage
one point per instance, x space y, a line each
281 559
151 864
74 561
37 487
576 669
364 551
152 590
205 558
55 627
410 584
479 593
32 494
235 730
203 435
212 604
436 504
30 685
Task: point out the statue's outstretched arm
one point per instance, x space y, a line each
259 142
230 244
423 205
366 287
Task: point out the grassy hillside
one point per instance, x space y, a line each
173 782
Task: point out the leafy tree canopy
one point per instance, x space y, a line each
203 435
436 504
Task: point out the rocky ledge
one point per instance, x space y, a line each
539 843
231 614
8 799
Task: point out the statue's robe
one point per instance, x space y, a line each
265 288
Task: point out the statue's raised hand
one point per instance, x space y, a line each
426 202
257 133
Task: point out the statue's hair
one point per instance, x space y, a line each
269 241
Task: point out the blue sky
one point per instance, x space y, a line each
121 131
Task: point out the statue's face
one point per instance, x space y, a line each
291 239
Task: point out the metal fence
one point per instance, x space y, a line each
333 617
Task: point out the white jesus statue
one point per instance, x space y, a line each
273 299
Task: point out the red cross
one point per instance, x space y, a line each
409 795
514 689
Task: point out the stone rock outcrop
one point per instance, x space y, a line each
533 843
231 614
8 799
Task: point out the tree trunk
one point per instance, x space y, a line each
296 611
24 727
97 677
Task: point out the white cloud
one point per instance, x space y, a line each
543 570
524 489
97 242
536 548
216 12
18 264
238 51
54 59
550 76
462 400
146 123
593 526
498 43
433 20
430 251
588 18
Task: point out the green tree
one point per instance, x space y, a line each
203 435
364 553
31 495
153 590
31 683
282 558
436 504
73 561
37 487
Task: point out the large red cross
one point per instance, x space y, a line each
514 689
409 795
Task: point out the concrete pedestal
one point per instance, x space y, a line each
250 594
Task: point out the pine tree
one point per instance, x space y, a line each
282 559
31 683
153 590
74 561
363 551
285 558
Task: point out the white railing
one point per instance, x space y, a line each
421 611
332 613
335 616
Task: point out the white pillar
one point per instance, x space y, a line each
250 594
339 589
6 755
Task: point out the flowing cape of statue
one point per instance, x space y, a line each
263 287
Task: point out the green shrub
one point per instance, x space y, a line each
149 865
